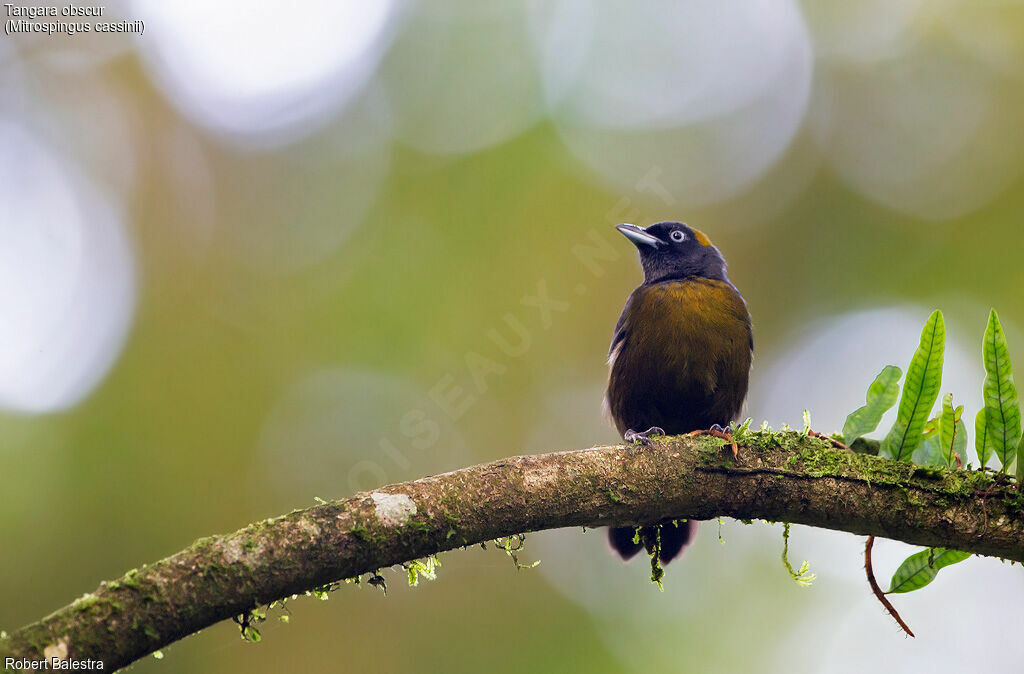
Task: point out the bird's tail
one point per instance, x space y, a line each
675 535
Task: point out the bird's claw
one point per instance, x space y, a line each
633 437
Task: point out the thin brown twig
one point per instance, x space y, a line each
835 443
877 590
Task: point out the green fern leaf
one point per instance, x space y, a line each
920 390
982 445
881 396
920 568
952 432
1002 411
929 452
960 439
947 428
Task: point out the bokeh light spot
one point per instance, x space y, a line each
263 71
709 94
66 274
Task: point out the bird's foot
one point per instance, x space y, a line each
723 433
644 438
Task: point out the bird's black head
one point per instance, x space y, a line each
671 250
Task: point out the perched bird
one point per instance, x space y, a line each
680 356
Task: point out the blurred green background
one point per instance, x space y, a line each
243 254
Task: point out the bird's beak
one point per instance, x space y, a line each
638 236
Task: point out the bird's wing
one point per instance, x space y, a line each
620 326
743 313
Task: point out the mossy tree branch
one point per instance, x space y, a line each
778 476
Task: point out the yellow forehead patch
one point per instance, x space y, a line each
701 237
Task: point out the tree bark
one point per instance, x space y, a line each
786 476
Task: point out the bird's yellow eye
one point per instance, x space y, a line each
677 235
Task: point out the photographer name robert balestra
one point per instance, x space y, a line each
51 664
